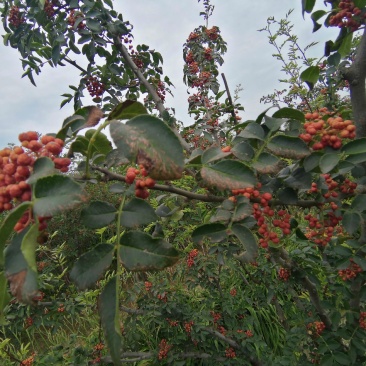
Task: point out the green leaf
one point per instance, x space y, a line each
315 17
127 110
341 358
252 131
101 144
248 240
361 261
346 45
287 196
22 280
288 147
356 158
93 25
328 162
311 162
242 211
310 76
109 315
228 174
289 113
56 50
85 117
299 179
212 154
355 147
90 267
43 167
273 124
307 6
359 203
98 214
243 151
268 164
8 224
214 232
151 143
141 252
327 360
29 246
4 297
55 193
137 212
117 188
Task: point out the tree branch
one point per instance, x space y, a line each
151 90
233 344
230 99
356 75
202 197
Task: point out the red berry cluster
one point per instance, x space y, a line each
315 329
95 87
163 297
208 54
230 353
347 15
39 297
350 272
28 361
233 292
138 61
362 320
128 40
188 326
226 149
160 90
61 308
193 37
249 333
142 183
16 17
97 353
164 348
212 33
216 317
203 78
321 133
73 17
49 7
172 323
348 187
16 165
284 274
222 330
148 286
322 232
265 216
191 256
28 322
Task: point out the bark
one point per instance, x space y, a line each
356 76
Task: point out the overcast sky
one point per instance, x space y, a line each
164 25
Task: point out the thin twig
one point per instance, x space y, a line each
229 97
151 90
